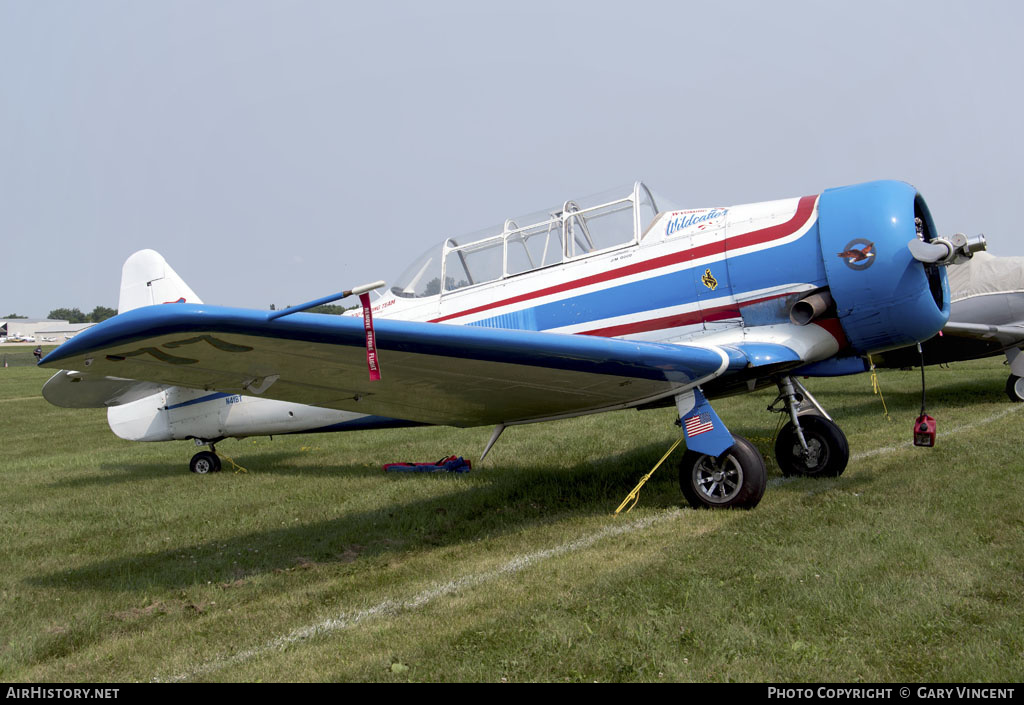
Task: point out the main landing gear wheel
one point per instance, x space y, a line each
204 462
736 479
827 448
1015 388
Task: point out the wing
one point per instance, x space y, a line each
1005 336
431 373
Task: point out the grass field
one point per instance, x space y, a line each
117 564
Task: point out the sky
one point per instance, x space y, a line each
276 152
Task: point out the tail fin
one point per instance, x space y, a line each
147 279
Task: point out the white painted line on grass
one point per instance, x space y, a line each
38 396
941 434
389 607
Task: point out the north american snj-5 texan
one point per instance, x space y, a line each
611 302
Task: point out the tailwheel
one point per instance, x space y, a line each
204 462
1015 388
736 479
827 450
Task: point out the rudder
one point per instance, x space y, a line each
147 279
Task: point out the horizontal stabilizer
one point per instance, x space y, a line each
76 390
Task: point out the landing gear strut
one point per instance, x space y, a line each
205 462
736 479
810 443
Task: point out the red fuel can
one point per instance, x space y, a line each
924 431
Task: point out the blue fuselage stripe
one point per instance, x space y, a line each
363 423
757 270
200 400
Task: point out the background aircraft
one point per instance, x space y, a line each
986 319
603 303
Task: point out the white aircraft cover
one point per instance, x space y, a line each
986 274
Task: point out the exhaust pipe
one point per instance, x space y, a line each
807 309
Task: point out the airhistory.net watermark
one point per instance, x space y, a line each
48 693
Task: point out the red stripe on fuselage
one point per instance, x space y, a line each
804 210
718 313
834 328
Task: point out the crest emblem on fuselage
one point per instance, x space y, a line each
709 280
858 254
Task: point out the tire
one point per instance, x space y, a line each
1015 388
736 479
830 451
204 462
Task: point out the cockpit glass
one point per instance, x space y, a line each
422 277
576 228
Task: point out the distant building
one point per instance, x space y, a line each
39 328
62 330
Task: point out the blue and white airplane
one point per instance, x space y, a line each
611 302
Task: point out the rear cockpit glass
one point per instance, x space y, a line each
578 228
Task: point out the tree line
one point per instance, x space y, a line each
333 309
73 315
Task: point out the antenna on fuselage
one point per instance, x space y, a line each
361 289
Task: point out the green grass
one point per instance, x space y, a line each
12 355
119 565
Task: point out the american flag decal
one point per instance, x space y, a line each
698 424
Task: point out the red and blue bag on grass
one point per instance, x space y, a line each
450 464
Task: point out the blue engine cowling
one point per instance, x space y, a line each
884 297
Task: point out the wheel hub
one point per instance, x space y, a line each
815 450
718 481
